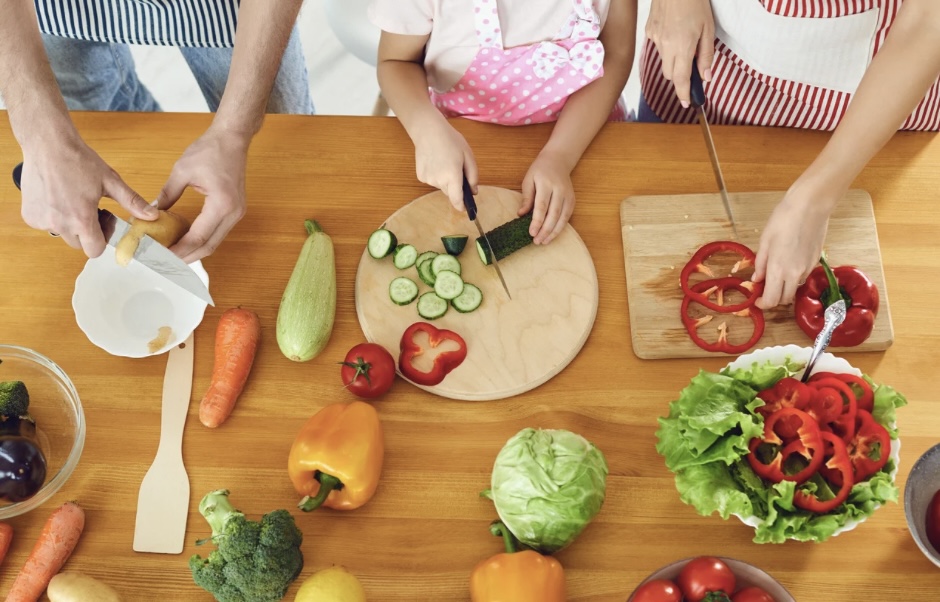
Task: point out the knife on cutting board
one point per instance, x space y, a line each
471 206
149 252
697 95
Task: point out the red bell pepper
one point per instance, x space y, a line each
443 363
870 448
844 424
786 393
837 469
864 396
721 345
825 405
697 265
825 286
808 445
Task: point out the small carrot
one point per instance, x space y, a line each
236 343
58 538
6 538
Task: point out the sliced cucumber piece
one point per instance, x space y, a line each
454 243
405 256
425 255
424 272
445 262
431 307
403 290
448 285
381 243
469 299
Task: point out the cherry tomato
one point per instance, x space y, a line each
703 575
658 590
368 371
752 594
933 521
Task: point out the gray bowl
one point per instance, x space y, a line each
922 483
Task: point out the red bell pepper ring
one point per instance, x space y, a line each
721 345
786 393
697 265
870 448
864 396
844 424
837 470
825 286
808 445
443 363
825 405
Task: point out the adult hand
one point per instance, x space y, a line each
214 166
547 186
681 30
442 157
62 185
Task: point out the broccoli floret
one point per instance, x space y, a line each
255 561
14 398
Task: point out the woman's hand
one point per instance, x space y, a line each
681 30
547 186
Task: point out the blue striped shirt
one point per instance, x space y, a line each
200 23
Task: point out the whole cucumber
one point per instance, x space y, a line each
308 307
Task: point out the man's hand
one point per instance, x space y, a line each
442 157
214 166
547 186
682 29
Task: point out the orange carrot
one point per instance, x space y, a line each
55 544
236 343
6 538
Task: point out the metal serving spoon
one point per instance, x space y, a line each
834 316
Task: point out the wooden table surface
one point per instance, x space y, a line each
426 527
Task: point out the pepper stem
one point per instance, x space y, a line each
834 293
499 529
327 484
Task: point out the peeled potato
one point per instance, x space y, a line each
76 587
168 228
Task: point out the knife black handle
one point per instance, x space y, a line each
468 200
17 173
697 91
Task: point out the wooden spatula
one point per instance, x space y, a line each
163 503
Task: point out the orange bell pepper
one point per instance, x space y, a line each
515 576
336 458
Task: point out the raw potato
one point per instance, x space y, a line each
168 228
76 587
334 584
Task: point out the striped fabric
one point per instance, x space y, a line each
740 95
199 23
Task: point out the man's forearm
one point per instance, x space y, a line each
35 106
264 27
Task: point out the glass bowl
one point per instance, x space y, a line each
60 420
746 575
922 483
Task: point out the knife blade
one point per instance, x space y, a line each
149 252
698 101
471 206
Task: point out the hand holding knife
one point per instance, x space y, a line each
471 206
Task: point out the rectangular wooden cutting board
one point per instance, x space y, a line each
660 234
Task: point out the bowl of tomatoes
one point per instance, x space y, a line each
695 579
922 503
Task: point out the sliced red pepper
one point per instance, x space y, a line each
864 395
870 448
443 363
825 286
837 470
825 405
697 265
722 345
844 423
808 445
786 393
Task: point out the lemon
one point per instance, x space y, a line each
334 584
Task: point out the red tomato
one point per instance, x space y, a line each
659 590
752 594
933 521
368 371
703 575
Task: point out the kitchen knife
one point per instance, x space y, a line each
149 252
471 206
698 101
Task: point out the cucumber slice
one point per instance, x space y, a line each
431 307
425 255
424 271
505 239
454 244
445 262
381 243
469 299
405 256
448 285
403 290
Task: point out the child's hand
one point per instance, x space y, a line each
442 156
790 246
548 185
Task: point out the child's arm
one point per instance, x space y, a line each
897 79
441 153
547 184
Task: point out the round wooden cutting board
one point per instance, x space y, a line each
513 345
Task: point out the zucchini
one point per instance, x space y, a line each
469 299
405 256
308 306
403 290
445 262
424 272
505 239
431 307
382 243
448 285
454 244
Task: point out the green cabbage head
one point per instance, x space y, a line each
547 485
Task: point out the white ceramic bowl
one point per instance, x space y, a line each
922 483
122 309
746 575
826 363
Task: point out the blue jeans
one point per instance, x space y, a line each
644 114
100 76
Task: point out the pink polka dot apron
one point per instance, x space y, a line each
531 83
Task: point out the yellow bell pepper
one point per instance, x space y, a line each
517 576
336 458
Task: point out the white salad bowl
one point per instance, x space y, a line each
132 311
826 363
